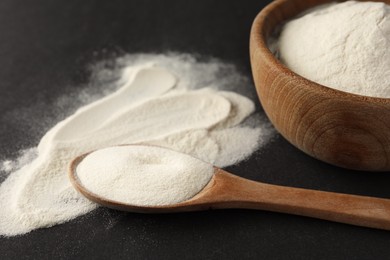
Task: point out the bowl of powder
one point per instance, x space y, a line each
322 74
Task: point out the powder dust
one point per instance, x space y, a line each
171 100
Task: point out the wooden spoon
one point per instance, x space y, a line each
226 190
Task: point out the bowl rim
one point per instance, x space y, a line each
259 42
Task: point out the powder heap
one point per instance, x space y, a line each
343 46
143 175
152 106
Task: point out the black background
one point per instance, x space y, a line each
46 48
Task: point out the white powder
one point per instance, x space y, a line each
143 175
343 46
152 106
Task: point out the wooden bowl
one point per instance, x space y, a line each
340 128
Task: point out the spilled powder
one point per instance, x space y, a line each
143 175
172 101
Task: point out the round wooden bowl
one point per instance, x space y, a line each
340 128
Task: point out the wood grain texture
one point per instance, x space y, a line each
343 129
229 191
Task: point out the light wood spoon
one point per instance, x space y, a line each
226 190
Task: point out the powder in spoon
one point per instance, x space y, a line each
343 46
143 175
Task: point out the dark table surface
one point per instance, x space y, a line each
46 50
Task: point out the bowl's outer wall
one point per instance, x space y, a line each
342 129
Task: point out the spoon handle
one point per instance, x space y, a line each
236 192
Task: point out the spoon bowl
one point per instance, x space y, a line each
226 190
